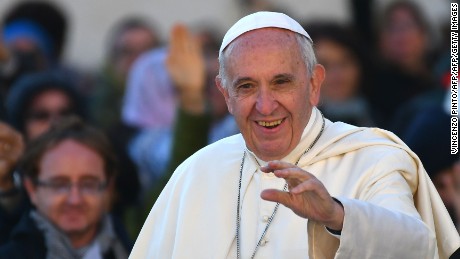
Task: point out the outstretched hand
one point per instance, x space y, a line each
186 66
306 196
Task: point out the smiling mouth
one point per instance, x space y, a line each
270 124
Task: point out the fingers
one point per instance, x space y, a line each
291 173
307 186
284 169
307 196
176 45
298 180
11 142
311 189
182 42
276 165
179 38
185 61
275 196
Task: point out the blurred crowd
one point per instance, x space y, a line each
118 133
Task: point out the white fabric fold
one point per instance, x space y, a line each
376 177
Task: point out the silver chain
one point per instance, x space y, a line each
270 219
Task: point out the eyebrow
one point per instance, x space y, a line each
57 178
276 77
65 178
89 177
284 76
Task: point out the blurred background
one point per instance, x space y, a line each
122 67
90 21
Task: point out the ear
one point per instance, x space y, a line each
316 81
224 92
31 189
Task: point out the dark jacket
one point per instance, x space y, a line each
10 218
27 241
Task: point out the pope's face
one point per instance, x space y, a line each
269 90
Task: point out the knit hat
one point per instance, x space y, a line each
27 87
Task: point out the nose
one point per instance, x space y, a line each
75 196
266 102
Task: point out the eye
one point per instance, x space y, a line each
59 186
281 81
244 86
89 185
58 183
244 89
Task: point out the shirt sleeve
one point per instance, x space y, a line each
383 222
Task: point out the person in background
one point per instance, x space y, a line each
201 116
293 183
435 153
149 106
193 71
128 40
69 176
342 95
35 102
11 195
403 69
149 101
155 92
34 35
439 96
38 99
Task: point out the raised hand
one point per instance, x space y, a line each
11 148
186 66
307 196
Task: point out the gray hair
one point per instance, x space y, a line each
306 50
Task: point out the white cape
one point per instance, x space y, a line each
371 171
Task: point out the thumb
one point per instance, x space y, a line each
275 196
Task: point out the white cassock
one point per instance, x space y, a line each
372 172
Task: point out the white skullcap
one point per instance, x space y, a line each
261 20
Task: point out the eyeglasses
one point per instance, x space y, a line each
85 187
45 115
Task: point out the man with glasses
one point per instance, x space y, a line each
68 175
